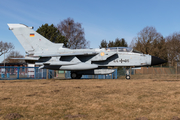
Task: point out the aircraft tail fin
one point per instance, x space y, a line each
32 41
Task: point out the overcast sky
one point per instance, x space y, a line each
101 19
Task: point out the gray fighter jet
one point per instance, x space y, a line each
80 62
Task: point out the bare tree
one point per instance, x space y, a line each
160 48
145 38
132 44
5 47
14 54
74 33
173 49
149 41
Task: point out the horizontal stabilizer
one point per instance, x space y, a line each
26 58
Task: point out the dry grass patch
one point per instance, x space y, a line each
90 99
154 76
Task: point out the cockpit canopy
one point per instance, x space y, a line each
122 49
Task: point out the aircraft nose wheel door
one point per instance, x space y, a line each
127 74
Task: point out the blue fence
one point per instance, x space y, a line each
24 73
8 73
110 76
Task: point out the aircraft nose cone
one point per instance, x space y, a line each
157 61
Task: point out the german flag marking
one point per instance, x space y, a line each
31 35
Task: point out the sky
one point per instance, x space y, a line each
101 19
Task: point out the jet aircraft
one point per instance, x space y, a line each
54 56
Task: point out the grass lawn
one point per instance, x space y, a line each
91 99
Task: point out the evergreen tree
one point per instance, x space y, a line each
103 44
111 44
52 33
118 43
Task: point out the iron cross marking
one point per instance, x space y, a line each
126 60
121 60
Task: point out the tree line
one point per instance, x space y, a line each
67 31
149 41
117 43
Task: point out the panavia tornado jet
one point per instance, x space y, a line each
80 62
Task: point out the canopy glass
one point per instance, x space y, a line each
122 49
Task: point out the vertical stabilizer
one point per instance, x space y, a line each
32 41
